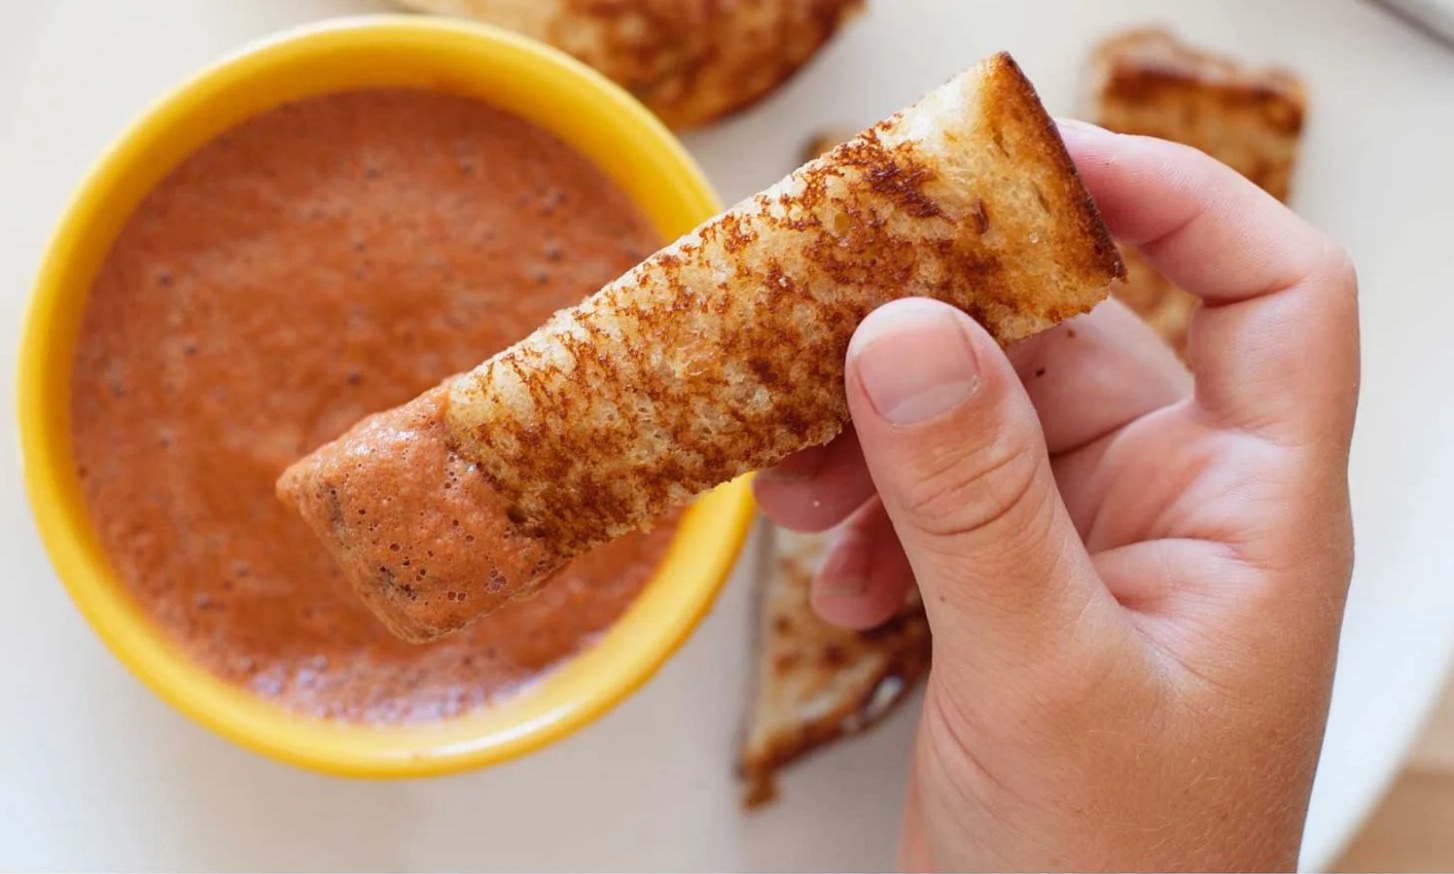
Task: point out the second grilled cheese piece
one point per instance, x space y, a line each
724 352
816 682
690 61
1149 83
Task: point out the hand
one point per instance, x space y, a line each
1135 575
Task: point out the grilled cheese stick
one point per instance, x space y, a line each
724 352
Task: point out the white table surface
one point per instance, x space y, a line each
96 772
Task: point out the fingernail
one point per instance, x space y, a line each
914 360
798 468
844 572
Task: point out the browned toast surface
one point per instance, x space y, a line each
690 61
1150 83
814 682
1251 119
724 353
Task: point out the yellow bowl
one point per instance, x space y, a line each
519 75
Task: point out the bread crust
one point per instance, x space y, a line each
690 61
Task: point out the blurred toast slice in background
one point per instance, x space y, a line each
1148 82
815 682
691 61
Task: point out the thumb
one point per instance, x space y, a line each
957 454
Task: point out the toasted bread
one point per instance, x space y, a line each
690 61
723 353
1147 82
815 682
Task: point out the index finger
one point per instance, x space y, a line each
1275 347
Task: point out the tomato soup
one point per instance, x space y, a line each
325 260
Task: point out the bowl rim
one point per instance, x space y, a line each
686 584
